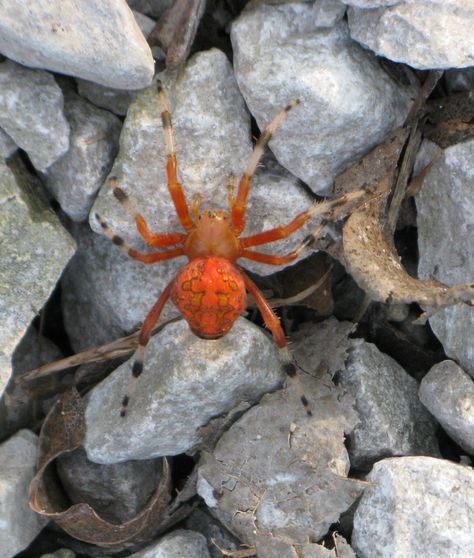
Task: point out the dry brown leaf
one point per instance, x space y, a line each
63 431
372 261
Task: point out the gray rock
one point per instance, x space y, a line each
392 419
416 507
75 178
186 381
7 145
445 207
18 524
114 100
348 103
117 492
19 407
448 393
34 249
269 547
31 113
417 33
61 553
459 80
106 294
152 8
216 536
177 544
279 472
95 40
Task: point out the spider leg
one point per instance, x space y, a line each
273 324
151 238
145 333
174 187
273 259
240 202
329 210
150 257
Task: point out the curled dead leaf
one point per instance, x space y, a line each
63 431
372 261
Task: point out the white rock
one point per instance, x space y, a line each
19 525
416 507
31 113
177 544
418 32
445 220
185 382
98 40
348 103
448 393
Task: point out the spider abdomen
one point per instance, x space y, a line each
210 294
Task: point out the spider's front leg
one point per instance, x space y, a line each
273 324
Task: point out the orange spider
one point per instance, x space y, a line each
210 290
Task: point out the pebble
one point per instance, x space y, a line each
445 206
98 41
31 113
416 33
186 381
177 544
18 524
416 507
448 393
392 419
280 54
77 176
29 270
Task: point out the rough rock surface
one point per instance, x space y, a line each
18 524
106 294
177 544
348 103
417 33
277 471
31 113
34 249
416 506
76 177
7 145
392 419
445 220
98 40
186 381
269 547
448 393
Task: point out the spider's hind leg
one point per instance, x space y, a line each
273 324
145 333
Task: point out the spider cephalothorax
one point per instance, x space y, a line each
210 291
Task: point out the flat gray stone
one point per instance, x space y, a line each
34 249
117 492
98 40
177 544
186 381
76 177
448 393
19 525
416 506
417 33
392 419
31 113
348 103
445 206
279 472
